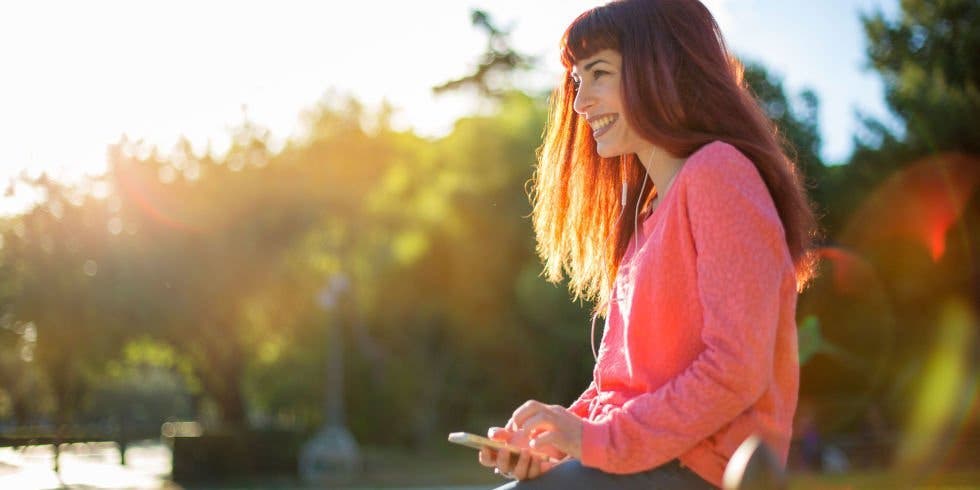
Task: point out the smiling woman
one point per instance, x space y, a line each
698 289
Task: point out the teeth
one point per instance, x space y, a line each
602 122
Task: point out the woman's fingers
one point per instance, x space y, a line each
517 438
534 470
546 439
523 467
523 464
539 423
524 411
499 433
487 458
532 416
553 425
504 462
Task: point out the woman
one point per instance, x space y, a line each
697 281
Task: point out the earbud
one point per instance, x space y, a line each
624 194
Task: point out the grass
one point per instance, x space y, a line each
954 480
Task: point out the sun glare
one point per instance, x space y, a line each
156 72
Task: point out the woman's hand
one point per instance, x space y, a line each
550 427
525 467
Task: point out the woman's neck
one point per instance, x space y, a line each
661 166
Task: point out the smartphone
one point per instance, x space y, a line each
478 442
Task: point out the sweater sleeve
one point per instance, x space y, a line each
580 407
741 255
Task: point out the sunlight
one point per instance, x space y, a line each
149 202
94 465
155 72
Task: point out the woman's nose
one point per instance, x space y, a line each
582 101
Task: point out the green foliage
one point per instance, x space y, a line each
797 120
930 62
928 59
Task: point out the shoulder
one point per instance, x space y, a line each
723 181
718 161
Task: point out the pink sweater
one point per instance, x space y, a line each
699 349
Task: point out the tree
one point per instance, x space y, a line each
498 61
210 235
55 252
798 124
929 60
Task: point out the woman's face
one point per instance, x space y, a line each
599 100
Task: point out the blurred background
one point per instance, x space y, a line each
246 242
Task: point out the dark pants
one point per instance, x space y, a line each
571 475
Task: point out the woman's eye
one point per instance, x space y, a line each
575 83
598 73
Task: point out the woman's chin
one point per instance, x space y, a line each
603 150
606 152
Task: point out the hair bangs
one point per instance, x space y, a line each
589 33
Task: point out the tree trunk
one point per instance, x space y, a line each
222 367
229 397
21 409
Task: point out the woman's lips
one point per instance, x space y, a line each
601 124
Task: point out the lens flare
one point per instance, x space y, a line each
946 391
851 273
921 202
148 200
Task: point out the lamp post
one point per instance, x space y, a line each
332 452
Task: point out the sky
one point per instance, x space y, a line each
76 76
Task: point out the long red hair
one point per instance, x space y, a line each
683 90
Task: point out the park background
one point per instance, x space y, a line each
194 283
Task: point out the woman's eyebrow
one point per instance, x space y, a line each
590 65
